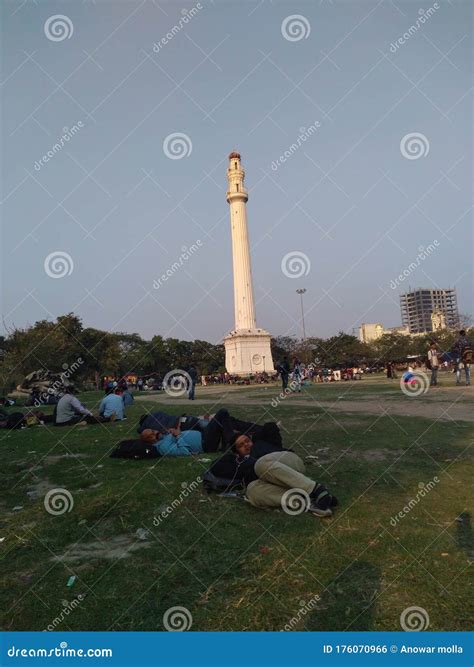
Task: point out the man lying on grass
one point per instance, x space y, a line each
272 479
218 432
224 425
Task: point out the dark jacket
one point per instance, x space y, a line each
460 345
231 466
158 421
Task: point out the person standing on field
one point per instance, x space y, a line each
433 361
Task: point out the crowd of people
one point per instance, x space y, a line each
458 361
300 374
253 458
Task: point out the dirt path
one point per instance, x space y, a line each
451 404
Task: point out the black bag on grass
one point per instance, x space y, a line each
16 420
134 449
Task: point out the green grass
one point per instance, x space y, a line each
232 566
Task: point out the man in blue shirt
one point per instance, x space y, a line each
176 443
111 406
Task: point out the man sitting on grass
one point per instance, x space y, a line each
70 411
274 479
112 406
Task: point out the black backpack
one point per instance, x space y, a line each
134 449
16 420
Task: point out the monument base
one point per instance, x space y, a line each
248 351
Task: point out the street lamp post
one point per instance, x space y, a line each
301 291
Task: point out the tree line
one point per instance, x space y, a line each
57 345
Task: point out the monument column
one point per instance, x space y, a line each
237 198
247 347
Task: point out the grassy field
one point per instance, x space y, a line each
231 566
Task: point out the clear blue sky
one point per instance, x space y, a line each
347 197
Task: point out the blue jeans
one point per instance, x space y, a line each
192 389
434 376
467 370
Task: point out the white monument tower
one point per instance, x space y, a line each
247 348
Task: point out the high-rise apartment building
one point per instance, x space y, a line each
417 307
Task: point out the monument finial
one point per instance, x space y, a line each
234 156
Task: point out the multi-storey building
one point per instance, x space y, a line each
417 307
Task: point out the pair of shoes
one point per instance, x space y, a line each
318 511
322 500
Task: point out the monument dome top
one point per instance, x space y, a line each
233 155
